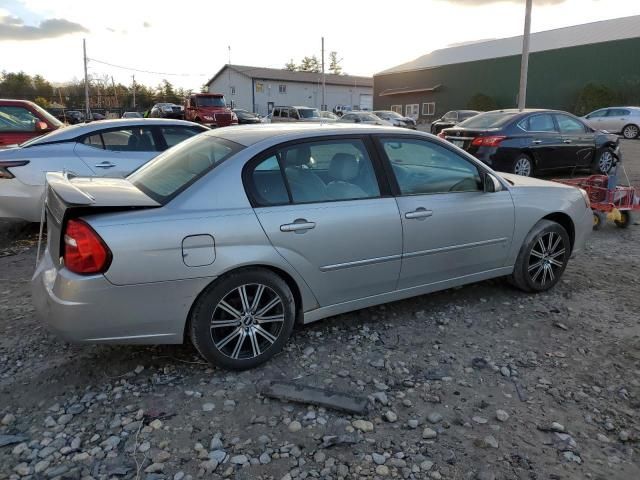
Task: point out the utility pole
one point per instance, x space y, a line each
133 77
229 77
115 91
524 65
323 107
87 109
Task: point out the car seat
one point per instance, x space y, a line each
343 169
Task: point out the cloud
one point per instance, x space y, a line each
475 3
13 28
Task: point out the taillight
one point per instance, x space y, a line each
84 251
4 166
492 141
441 134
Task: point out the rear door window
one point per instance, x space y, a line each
538 123
133 139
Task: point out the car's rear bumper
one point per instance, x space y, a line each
19 201
90 309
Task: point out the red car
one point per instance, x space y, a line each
209 109
21 120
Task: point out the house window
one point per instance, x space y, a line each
259 87
412 110
282 88
429 109
397 109
233 90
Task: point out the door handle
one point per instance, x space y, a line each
567 141
419 213
537 142
105 165
299 225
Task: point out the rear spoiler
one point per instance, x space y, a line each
66 191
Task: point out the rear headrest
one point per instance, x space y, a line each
343 166
297 157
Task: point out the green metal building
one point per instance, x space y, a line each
561 64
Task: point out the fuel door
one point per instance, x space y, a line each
198 250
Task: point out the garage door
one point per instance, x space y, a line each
366 101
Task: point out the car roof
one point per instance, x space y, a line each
73 131
248 135
15 102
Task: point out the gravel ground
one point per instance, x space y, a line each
481 382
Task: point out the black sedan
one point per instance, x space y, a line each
451 119
246 117
532 141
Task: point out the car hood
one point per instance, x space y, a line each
520 181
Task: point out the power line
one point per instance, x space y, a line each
149 71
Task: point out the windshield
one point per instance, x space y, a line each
388 114
308 113
48 117
367 117
488 120
210 102
173 171
465 115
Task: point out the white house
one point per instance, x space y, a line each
260 89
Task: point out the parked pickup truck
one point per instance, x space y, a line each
21 120
209 109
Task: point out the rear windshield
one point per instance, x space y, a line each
488 120
173 171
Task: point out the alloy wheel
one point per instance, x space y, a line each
547 256
630 131
605 162
522 167
247 321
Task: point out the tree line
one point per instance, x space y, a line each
312 64
103 92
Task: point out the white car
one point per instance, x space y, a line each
622 120
110 148
365 118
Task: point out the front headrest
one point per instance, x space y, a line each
343 166
297 157
198 162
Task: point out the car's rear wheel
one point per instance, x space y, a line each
523 166
605 159
630 131
543 257
244 319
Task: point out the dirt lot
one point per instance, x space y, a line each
481 382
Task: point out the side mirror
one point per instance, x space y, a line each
491 183
41 126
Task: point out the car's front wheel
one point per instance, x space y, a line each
523 166
630 131
244 319
542 258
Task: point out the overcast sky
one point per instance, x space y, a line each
191 37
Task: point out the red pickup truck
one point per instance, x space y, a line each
209 109
21 120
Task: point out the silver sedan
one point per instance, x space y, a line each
109 148
237 234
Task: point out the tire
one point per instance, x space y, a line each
523 166
604 162
630 131
241 340
536 270
625 219
599 220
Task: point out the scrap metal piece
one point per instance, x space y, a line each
321 397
